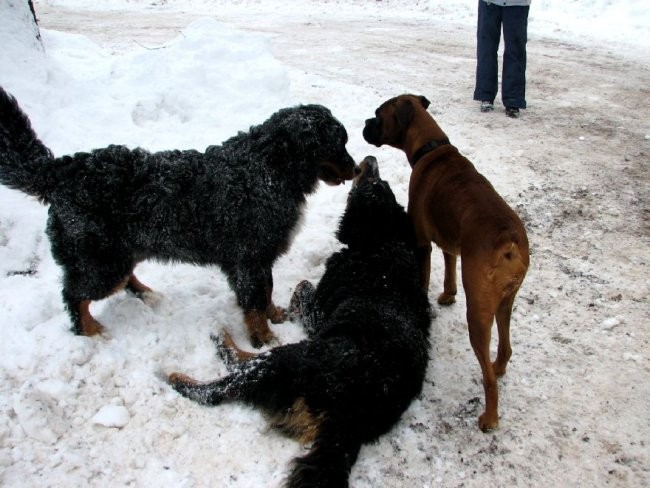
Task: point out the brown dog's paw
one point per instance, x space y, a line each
488 422
446 299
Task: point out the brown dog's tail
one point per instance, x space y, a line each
26 164
511 262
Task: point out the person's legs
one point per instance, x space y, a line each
515 36
488 34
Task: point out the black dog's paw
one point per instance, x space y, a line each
203 393
301 301
182 383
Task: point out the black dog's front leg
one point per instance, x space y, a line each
241 385
204 393
251 288
263 381
275 314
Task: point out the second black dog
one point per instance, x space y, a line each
365 360
236 205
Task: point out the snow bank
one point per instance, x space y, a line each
618 21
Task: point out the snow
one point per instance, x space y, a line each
112 416
165 74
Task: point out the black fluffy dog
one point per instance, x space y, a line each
365 360
235 205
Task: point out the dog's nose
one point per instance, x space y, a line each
372 130
368 169
357 171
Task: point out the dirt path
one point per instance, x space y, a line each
575 166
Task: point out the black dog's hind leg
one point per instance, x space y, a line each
303 307
93 267
85 282
329 462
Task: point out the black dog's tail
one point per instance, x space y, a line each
329 462
26 164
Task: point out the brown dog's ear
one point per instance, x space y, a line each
423 100
404 113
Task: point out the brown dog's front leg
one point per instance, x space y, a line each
448 295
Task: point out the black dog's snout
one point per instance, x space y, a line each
370 167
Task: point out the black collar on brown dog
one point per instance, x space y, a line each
428 147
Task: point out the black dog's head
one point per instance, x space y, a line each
311 133
392 119
372 216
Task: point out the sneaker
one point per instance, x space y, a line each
487 106
512 112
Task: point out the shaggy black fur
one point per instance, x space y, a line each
234 205
365 360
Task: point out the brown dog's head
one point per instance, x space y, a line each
392 119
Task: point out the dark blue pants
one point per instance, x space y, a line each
515 35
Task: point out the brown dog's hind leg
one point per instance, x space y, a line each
448 296
479 326
504 351
423 256
481 306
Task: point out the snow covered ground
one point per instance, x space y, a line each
162 74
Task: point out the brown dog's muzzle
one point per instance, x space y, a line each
372 131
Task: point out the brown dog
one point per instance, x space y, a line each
453 205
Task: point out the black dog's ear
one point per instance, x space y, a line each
425 103
354 225
404 113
